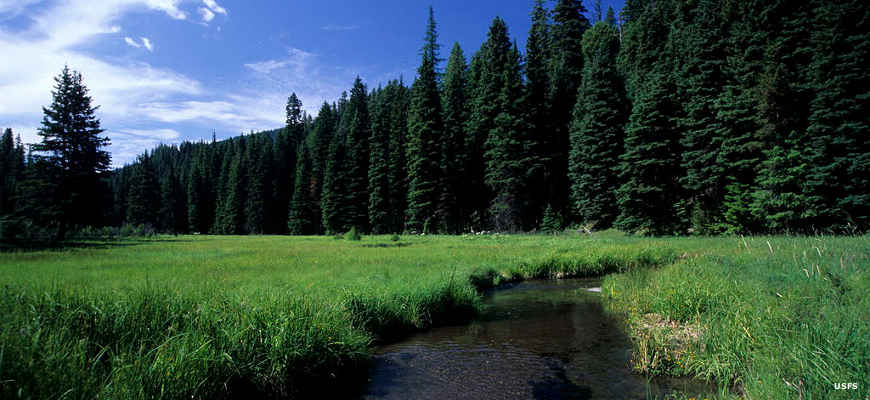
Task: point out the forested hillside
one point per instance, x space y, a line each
675 117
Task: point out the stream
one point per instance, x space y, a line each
535 340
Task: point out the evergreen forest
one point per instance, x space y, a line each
673 117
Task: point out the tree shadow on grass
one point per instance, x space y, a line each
35 246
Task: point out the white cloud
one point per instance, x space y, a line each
207 15
170 7
53 40
299 72
213 5
265 67
147 44
131 42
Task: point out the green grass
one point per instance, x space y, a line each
215 317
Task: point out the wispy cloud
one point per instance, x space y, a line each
207 15
213 5
131 42
339 28
147 44
299 72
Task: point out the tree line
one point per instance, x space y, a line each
708 116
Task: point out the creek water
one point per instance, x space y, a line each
536 339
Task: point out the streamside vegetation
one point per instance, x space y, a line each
277 316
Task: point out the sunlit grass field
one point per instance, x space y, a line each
216 317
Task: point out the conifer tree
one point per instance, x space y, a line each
302 214
738 121
475 196
231 214
425 128
536 102
702 42
839 123
453 153
357 167
397 174
72 145
566 70
597 130
255 191
379 149
650 167
334 184
144 193
11 171
323 129
172 215
489 75
508 160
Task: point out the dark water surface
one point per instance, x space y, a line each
534 340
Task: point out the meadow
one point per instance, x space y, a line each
277 317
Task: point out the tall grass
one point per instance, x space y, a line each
276 317
780 317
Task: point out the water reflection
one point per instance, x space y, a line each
539 339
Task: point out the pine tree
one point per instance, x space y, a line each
233 214
71 144
702 43
425 128
255 199
357 166
302 215
738 121
334 185
475 196
323 129
397 174
379 149
453 153
597 129
144 193
566 70
171 215
285 151
488 76
536 102
839 123
508 159
650 167
11 166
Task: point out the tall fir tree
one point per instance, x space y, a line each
11 171
144 193
701 40
453 152
72 146
488 75
303 212
425 128
397 174
357 166
650 167
597 130
839 123
566 71
379 163
508 156
255 199
334 185
536 101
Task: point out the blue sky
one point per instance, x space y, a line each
164 71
